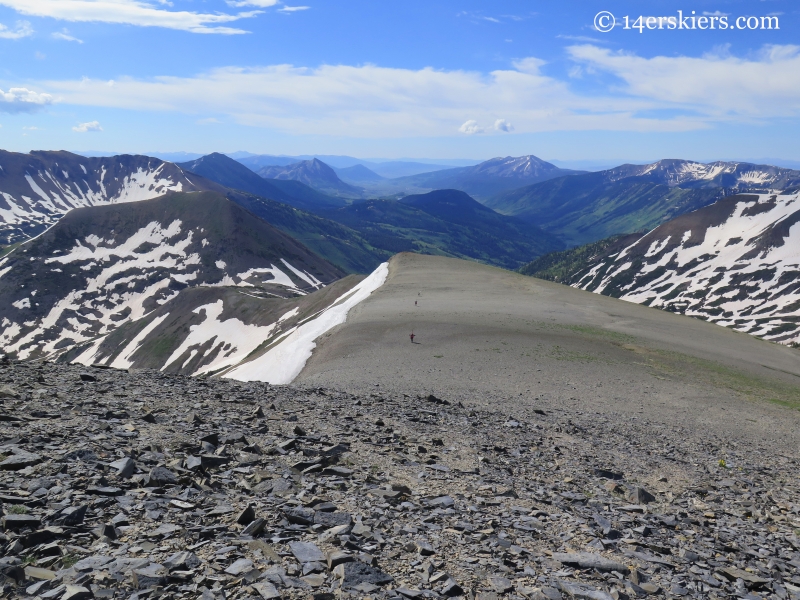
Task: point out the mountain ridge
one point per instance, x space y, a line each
445 222
232 174
101 266
588 207
735 263
489 177
38 188
314 173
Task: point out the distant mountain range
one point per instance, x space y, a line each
197 267
489 177
313 173
232 174
587 207
38 188
100 267
729 175
384 168
735 263
446 222
358 174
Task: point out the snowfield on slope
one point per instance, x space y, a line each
281 363
126 280
743 272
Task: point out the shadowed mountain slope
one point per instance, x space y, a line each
489 177
734 263
446 222
232 174
315 174
38 188
588 207
100 267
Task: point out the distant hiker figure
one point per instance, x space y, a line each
415 302
412 336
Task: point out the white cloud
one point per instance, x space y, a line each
23 29
258 3
368 101
23 100
471 127
503 125
291 9
582 38
65 36
86 127
128 12
716 85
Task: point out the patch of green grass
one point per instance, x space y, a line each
750 386
560 353
438 355
622 338
4 250
17 509
69 560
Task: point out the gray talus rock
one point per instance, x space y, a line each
20 521
332 519
587 560
162 476
306 552
300 515
583 592
92 563
152 575
240 567
353 573
639 495
500 584
124 467
19 460
182 561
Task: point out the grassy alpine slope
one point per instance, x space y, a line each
585 208
447 223
560 266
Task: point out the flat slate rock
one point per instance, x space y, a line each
306 552
583 592
587 560
355 573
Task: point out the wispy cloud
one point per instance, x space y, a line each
258 3
22 29
23 100
291 9
87 127
582 38
717 85
478 16
65 36
663 93
130 12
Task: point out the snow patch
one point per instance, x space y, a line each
284 361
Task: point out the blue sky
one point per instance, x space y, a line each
398 79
